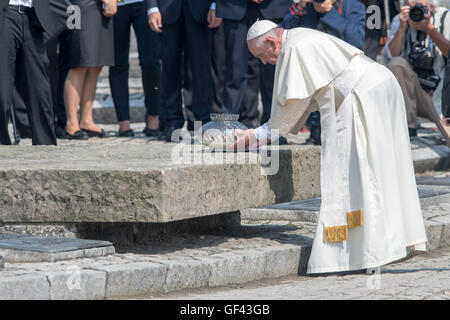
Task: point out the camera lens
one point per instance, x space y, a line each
417 12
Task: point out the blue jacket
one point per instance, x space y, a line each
350 26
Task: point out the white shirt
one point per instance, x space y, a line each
156 9
125 2
25 3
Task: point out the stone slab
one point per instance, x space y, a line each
77 284
101 182
24 287
308 210
21 248
134 279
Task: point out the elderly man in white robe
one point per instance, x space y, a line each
370 212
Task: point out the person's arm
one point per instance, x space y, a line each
154 16
349 27
287 119
396 44
213 21
442 43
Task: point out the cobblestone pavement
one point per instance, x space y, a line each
423 277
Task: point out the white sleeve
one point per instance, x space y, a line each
152 10
213 6
264 133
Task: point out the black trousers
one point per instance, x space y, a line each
217 73
193 37
57 72
23 57
240 85
149 50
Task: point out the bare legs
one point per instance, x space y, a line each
79 90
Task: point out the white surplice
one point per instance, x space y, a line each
366 163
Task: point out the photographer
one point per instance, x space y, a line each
416 51
344 19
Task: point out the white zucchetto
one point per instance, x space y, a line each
259 28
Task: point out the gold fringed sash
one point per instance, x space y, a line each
355 219
335 234
340 233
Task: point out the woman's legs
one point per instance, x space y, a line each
87 99
73 91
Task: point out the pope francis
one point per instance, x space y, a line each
370 210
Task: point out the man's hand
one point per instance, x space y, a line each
246 141
110 8
324 7
155 21
213 21
424 25
404 18
257 1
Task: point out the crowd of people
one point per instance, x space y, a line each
194 53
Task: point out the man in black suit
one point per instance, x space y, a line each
23 57
58 70
238 16
183 22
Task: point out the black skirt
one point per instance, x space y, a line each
92 45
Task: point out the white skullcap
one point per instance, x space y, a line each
259 28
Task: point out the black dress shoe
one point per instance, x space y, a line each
59 132
125 133
93 134
151 132
412 132
79 135
166 134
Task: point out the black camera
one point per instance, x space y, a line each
422 62
418 12
319 1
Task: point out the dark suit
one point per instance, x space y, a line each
184 28
57 70
243 78
23 58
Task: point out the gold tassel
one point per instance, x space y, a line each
355 219
335 234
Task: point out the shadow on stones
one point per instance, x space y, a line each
214 234
282 183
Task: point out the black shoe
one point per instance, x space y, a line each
79 135
166 135
412 132
282 141
25 133
93 134
59 132
125 133
151 132
314 137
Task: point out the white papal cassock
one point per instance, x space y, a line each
370 210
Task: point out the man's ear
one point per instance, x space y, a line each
272 42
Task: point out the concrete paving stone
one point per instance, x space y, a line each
434 232
226 268
29 287
186 274
134 279
77 284
445 236
282 260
